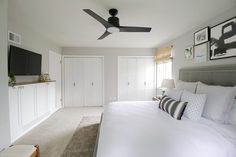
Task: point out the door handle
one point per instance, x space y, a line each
74 84
145 83
92 83
128 83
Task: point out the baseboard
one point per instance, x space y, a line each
36 123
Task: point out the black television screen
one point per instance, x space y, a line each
24 62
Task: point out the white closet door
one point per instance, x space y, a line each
136 78
132 79
141 78
79 79
74 82
122 79
93 81
69 82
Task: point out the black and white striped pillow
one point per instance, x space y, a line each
172 107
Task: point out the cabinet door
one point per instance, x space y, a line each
42 99
122 79
93 81
132 79
27 104
52 96
14 110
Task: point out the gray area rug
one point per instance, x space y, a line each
82 143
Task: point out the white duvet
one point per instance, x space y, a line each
140 129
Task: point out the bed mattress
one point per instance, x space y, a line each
140 129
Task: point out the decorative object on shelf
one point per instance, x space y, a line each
167 84
223 40
188 52
44 77
200 53
201 36
11 80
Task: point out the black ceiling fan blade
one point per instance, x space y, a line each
134 29
104 35
98 18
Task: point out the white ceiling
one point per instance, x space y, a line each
64 22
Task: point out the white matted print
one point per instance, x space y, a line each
223 40
200 52
201 36
188 53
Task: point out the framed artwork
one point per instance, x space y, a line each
223 40
200 52
201 36
188 53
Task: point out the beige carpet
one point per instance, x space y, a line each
82 143
54 134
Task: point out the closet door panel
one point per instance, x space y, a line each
122 78
132 79
136 78
141 78
79 78
97 82
93 81
69 82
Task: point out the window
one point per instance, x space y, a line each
164 64
164 71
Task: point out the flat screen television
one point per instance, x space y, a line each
24 62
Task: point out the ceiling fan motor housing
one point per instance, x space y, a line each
114 21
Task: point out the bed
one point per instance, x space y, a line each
140 129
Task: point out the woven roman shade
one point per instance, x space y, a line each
164 55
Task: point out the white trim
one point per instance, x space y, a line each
63 74
36 123
61 96
118 58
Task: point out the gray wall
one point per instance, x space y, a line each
110 63
33 41
4 108
186 40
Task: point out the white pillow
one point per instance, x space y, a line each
219 100
189 86
175 94
195 105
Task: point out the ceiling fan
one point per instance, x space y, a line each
113 25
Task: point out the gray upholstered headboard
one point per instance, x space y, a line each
224 75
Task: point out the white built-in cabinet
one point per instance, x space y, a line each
136 78
83 81
28 105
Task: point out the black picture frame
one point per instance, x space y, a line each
202 36
218 47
